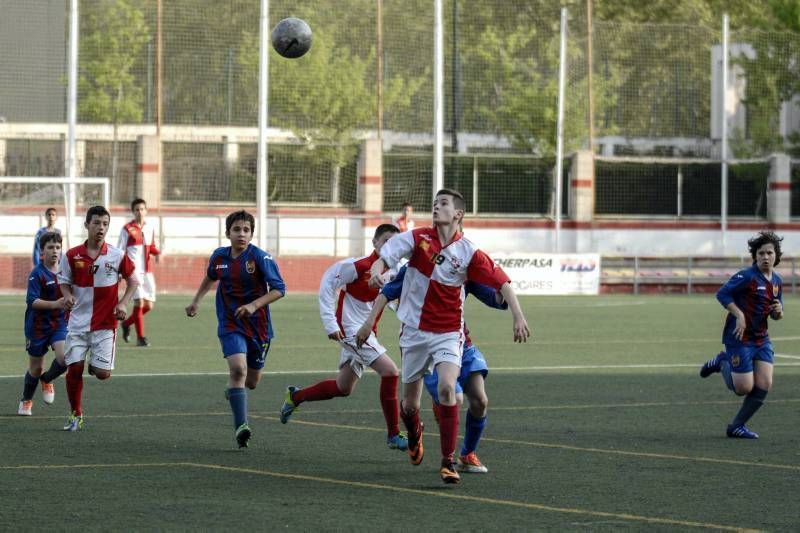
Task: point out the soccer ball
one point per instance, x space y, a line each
291 37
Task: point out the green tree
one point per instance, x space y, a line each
113 35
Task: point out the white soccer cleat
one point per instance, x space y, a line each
48 393
25 407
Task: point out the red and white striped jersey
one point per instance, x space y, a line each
139 242
433 292
350 277
95 284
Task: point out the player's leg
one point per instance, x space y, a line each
390 376
448 418
237 396
474 425
147 294
31 380
755 385
57 367
76 346
103 353
415 363
713 365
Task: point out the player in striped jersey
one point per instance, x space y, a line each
138 240
751 297
341 318
249 280
45 324
441 260
51 216
89 280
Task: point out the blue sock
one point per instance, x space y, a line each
725 370
238 400
472 433
30 386
752 402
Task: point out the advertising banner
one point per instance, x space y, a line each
552 273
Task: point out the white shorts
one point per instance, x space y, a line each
101 344
360 358
420 351
147 287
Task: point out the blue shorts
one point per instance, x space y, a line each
741 356
38 347
256 350
471 361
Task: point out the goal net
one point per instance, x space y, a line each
22 196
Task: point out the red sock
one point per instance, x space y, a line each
138 321
413 426
448 429
145 310
436 412
324 390
74 381
389 404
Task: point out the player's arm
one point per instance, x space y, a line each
205 285
521 330
482 269
35 257
398 247
725 296
336 277
271 276
246 310
48 305
131 284
369 323
64 277
487 295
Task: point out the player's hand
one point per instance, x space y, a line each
61 303
245 311
738 331
69 302
376 281
191 309
363 334
120 311
521 330
336 336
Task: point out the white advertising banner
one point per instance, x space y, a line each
552 273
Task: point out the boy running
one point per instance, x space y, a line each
89 280
341 317
45 324
249 281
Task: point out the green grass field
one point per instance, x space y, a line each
601 423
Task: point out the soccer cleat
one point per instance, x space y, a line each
48 393
448 473
398 442
126 333
288 406
142 342
25 407
74 422
741 432
243 434
417 452
470 463
712 366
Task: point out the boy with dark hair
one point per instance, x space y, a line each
51 216
751 297
249 280
138 240
341 318
441 260
89 280
45 324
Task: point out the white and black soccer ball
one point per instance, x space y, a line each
291 37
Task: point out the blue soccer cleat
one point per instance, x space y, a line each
712 366
398 442
243 434
288 406
741 432
74 422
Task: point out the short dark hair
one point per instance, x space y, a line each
136 202
47 237
385 228
765 237
98 210
458 198
406 204
239 215
47 211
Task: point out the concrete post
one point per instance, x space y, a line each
581 186
370 177
779 189
148 169
3 148
230 154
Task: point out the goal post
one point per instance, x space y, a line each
21 191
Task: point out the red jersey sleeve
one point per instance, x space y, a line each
482 269
126 267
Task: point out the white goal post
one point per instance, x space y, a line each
69 192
